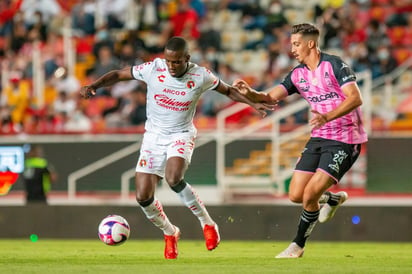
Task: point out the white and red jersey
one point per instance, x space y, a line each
171 101
322 88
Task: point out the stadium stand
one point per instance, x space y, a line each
249 36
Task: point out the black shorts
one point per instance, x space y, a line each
333 157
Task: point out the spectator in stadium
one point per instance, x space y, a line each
275 16
40 26
137 109
174 86
403 9
64 103
329 86
358 57
47 8
383 62
184 23
127 54
82 15
6 125
7 14
105 62
18 34
17 95
38 175
376 36
330 20
77 121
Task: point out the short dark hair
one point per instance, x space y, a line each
305 29
177 43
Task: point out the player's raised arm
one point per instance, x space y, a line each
108 79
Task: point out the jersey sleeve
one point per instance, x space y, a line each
142 71
344 74
211 81
288 84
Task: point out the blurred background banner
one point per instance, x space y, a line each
11 164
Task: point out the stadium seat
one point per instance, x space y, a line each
407 38
396 34
97 105
380 2
402 54
381 13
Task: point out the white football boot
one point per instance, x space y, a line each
327 211
292 251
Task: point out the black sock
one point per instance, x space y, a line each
333 199
179 186
147 202
306 224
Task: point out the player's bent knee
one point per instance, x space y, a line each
295 198
173 181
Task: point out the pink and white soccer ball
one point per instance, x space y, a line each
114 230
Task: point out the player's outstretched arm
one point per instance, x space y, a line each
272 95
108 79
235 94
249 92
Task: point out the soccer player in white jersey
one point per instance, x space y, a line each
329 86
174 86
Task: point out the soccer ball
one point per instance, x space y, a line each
114 230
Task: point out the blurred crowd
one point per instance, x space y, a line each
111 34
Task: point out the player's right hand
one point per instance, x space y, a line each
242 85
87 92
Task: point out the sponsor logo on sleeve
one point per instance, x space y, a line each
349 77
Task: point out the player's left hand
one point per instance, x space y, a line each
242 86
318 119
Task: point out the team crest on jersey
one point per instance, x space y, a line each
327 79
142 163
190 84
161 78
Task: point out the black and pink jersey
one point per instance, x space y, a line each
322 88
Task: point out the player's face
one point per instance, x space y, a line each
177 62
300 48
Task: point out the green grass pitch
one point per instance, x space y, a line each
52 256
